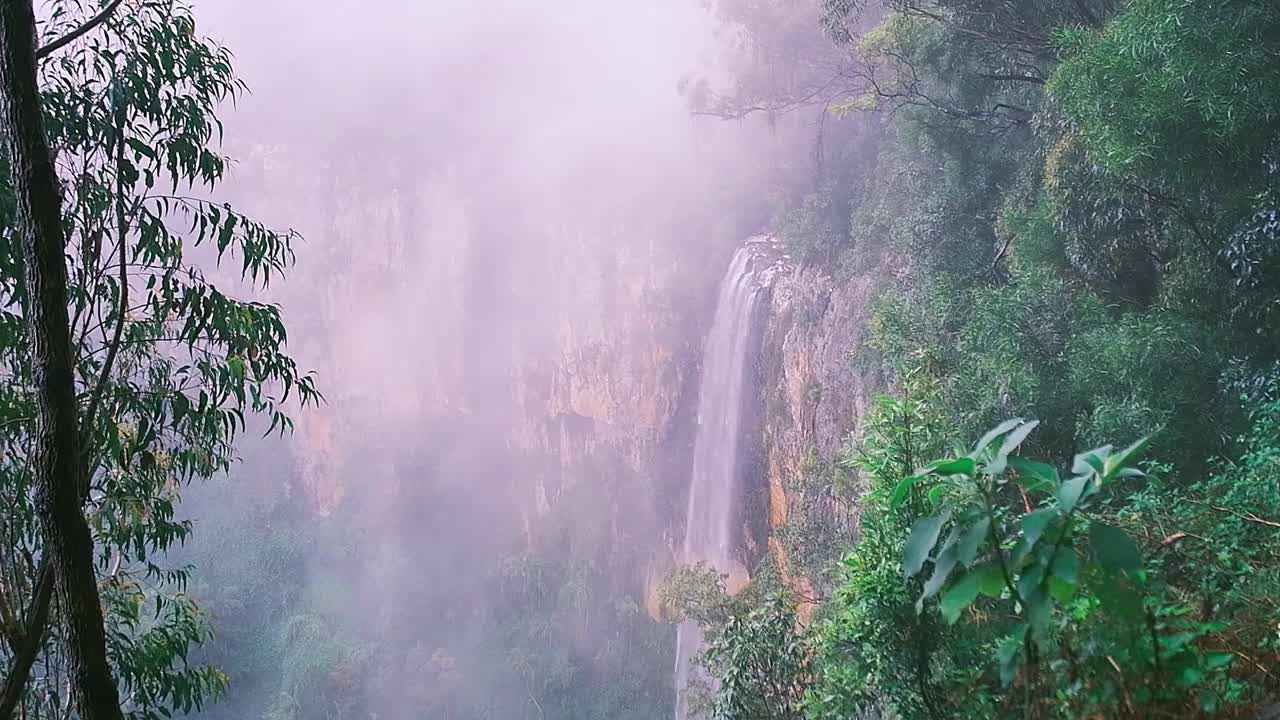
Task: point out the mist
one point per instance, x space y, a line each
513 229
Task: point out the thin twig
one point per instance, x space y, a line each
1246 516
79 32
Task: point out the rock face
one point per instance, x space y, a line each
814 386
547 356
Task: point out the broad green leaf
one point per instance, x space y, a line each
1034 476
1060 590
1039 610
1035 522
1118 597
1213 661
964 591
1175 642
993 584
1066 565
1113 548
1028 583
971 539
942 567
903 489
954 466
924 535
1071 492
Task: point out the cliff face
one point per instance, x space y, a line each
605 406
814 391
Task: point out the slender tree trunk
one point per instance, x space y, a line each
68 546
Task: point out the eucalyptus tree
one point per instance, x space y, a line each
160 370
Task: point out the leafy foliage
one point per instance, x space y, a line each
761 664
169 368
1075 206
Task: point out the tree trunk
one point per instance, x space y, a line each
68 546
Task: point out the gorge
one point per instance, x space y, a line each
617 360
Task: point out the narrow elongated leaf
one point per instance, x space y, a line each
1016 437
996 432
1091 461
1118 463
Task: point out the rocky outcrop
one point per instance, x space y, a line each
815 380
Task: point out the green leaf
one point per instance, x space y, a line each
141 148
1213 661
1066 566
954 466
971 539
1071 492
942 567
903 489
936 493
1007 653
1118 597
924 535
964 591
1090 461
1029 582
996 432
1015 438
1039 609
1035 522
1113 548
1060 590
1034 476
1116 465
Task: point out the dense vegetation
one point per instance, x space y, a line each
1075 208
165 371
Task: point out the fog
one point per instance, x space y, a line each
513 230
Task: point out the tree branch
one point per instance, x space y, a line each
122 233
1246 515
28 646
1014 78
79 32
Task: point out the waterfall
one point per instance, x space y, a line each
715 491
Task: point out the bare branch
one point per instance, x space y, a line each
1246 515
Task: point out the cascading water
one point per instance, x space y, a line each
715 490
